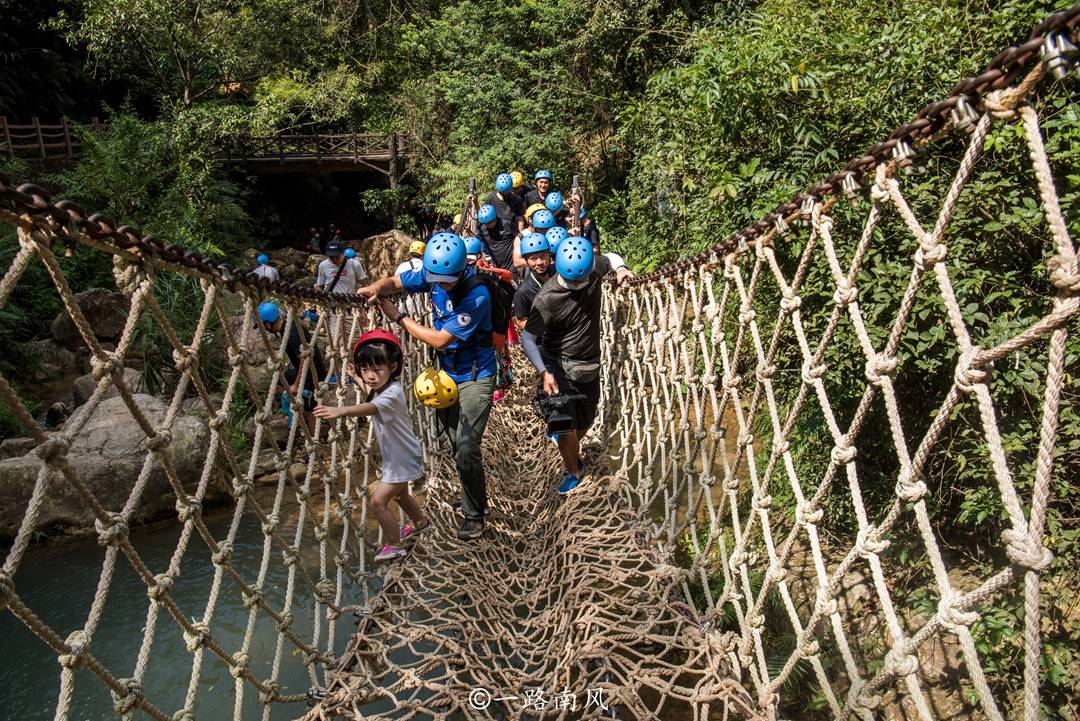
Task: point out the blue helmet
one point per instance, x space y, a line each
269 311
534 243
350 253
574 260
554 201
486 214
555 235
473 246
543 219
546 174
504 183
444 258
262 259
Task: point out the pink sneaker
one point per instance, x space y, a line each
497 396
410 529
389 553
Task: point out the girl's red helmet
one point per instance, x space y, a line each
378 334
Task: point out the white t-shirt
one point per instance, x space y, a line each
410 264
402 459
413 304
350 278
267 271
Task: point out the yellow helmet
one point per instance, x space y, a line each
518 177
435 389
457 219
417 247
532 209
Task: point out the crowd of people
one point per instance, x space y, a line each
530 274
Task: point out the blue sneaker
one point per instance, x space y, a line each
553 438
569 484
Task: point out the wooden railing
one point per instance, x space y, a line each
378 151
38 140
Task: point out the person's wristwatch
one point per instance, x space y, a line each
401 319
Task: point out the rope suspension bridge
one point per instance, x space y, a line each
704 537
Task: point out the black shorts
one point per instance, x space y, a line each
582 411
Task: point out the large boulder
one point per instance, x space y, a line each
108 455
83 386
292 264
289 256
383 253
105 310
254 350
51 361
13 447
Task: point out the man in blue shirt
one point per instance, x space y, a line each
461 336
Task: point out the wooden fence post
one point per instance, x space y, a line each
67 138
393 173
40 139
7 136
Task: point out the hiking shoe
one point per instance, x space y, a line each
389 553
553 438
569 484
470 529
411 529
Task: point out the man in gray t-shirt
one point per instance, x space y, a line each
346 281
338 274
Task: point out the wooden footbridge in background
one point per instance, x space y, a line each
294 153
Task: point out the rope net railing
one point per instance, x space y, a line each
705 568
740 391
317 539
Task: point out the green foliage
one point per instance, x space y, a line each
384 204
769 102
160 176
491 86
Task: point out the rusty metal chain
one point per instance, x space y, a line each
960 107
70 221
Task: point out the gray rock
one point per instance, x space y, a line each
195 407
267 461
289 256
51 360
108 455
295 273
83 386
105 311
279 430
57 414
12 447
255 352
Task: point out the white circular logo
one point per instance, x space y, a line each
479 698
463 319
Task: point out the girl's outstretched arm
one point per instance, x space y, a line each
331 412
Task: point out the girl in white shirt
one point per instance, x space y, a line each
377 357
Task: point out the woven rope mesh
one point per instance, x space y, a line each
704 570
